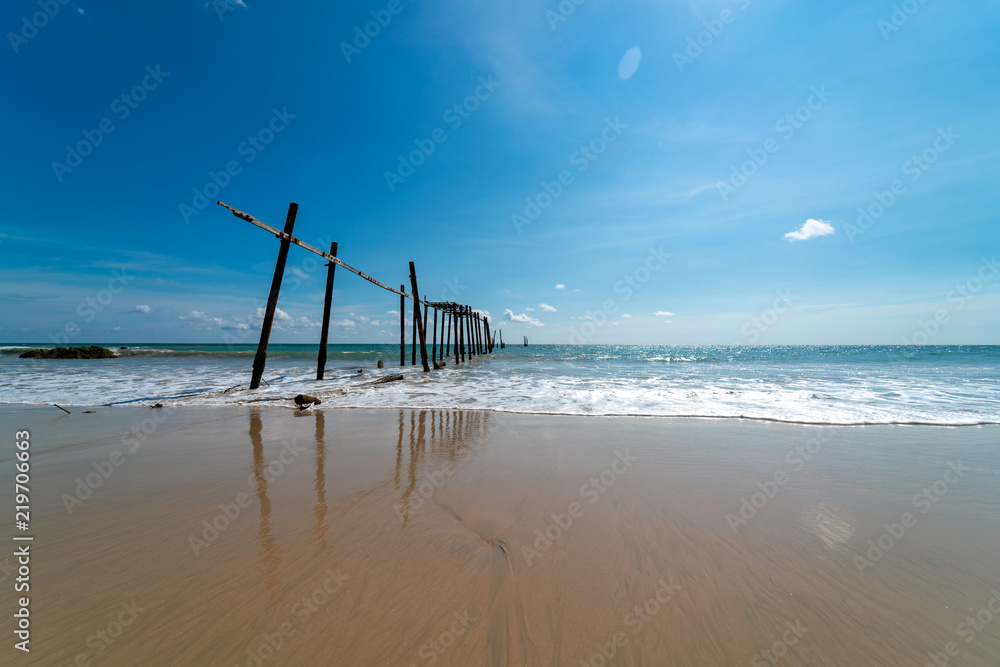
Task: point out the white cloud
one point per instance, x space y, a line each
523 318
664 313
393 312
811 229
546 307
560 286
143 308
484 313
529 310
626 316
346 324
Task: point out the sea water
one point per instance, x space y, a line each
946 385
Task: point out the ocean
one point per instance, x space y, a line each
839 384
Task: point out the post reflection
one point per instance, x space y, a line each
269 559
438 440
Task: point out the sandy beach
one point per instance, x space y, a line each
244 536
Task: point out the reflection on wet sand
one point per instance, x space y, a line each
470 538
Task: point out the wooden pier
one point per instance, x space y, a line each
471 330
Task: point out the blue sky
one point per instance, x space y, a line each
627 172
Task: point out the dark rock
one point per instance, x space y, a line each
158 405
388 378
91 352
302 400
380 364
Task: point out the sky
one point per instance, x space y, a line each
668 172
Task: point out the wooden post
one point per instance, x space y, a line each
423 322
260 359
327 304
482 340
402 326
468 325
489 341
501 338
434 345
416 315
459 333
446 320
413 332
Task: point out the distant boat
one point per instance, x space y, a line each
526 341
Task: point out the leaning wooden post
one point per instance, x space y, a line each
434 345
260 359
327 304
479 333
416 316
402 326
489 341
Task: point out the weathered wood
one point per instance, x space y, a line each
413 331
416 315
447 326
285 236
468 325
423 322
459 333
327 306
260 359
402 327
434 344
489 341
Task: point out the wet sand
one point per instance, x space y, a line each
239 536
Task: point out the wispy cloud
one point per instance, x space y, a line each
663 313
560 286
811 229
143 308
546 307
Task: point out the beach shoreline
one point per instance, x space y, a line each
396 536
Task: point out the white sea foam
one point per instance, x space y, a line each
657 385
